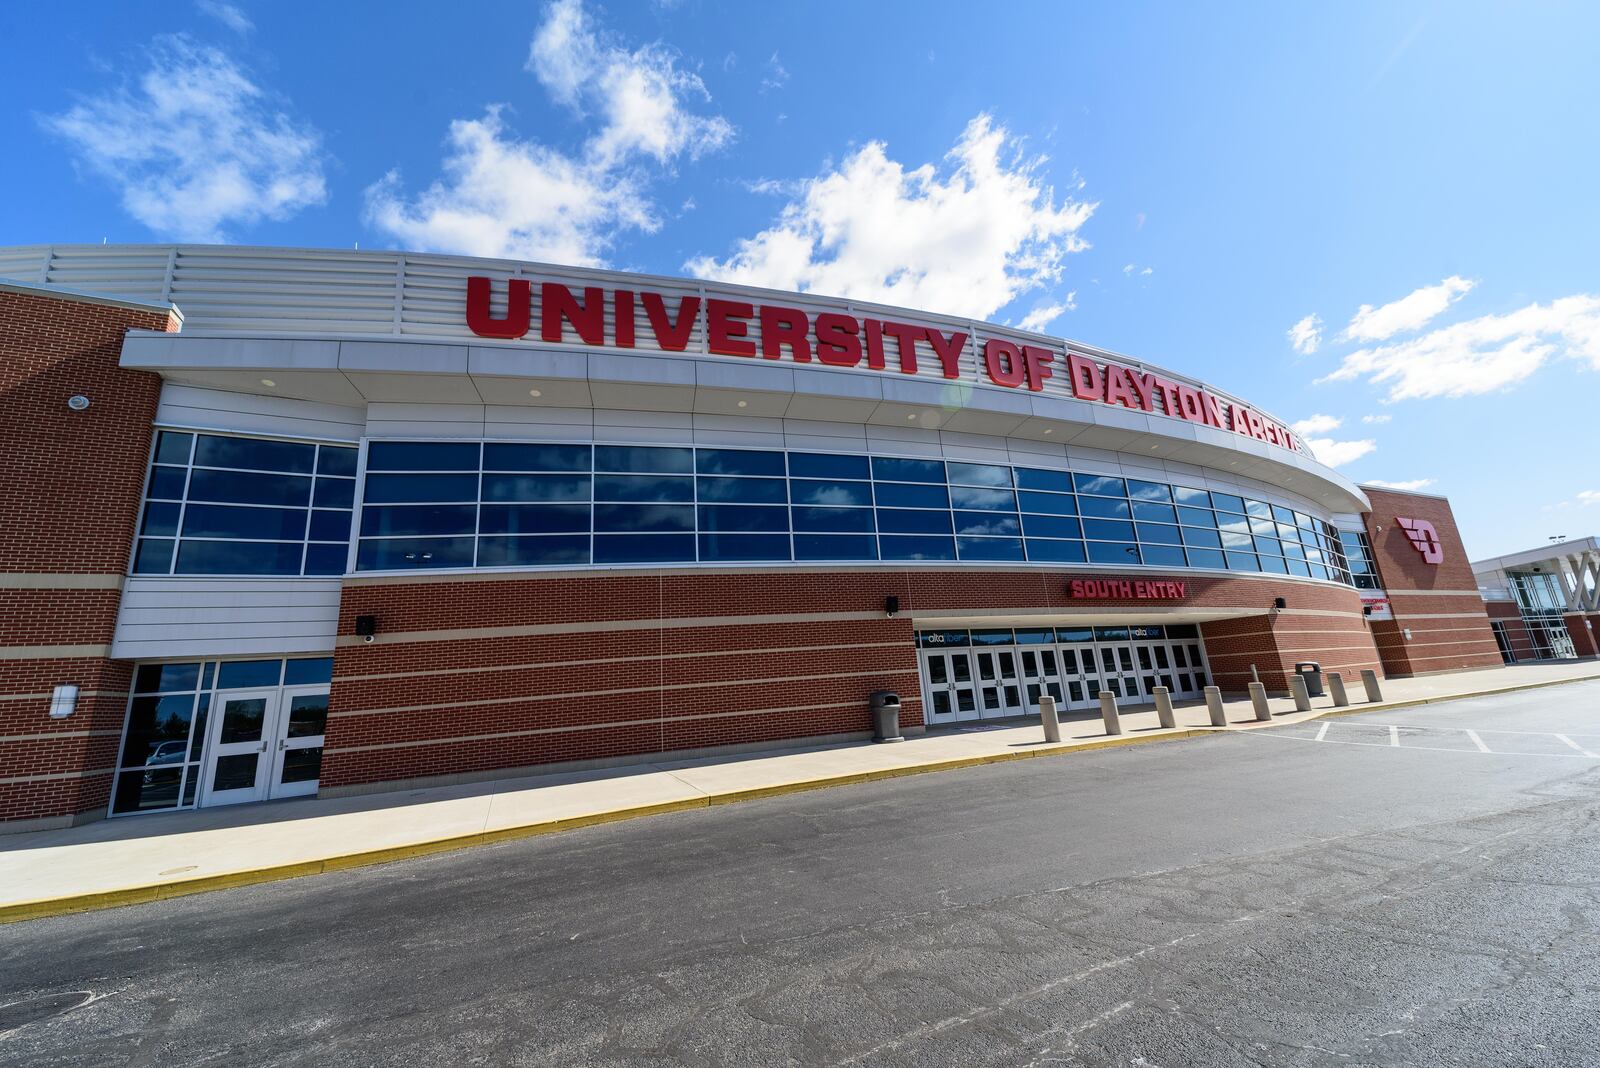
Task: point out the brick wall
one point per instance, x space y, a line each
476 674
1516 630
1438 603
1583 637
68 506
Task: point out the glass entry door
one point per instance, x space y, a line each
264 744
951 694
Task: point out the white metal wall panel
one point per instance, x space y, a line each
186 617
250 413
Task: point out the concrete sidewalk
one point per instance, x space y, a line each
126 861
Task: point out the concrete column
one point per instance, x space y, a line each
1214 706
1336 687
1108 712
1369 679
1258 698
1164 708
1047 716
1297 690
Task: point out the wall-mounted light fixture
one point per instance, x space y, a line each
78 402
63 700
891 606
366 627
1280 602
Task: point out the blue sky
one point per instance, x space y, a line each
1378 220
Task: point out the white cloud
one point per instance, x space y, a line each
966 243
1409 486
1338 453
227 14
776 76
1317 424
1306 335
1045 314
504 196
1376 419
1130 269
196 146
1410 312
1481 355
1588 497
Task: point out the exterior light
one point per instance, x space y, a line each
744 404
268 382
891 606
535 392
78 402
63 700
366 627
1280 602
913 415
1049 430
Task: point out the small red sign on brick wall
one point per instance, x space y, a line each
1128 589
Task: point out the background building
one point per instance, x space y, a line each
1544 603
349 521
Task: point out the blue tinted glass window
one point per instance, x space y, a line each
835 547
221 521
897 521
827 465
720 517
1108 552
1258 509
400 554
643 549
334 493
1102 485
512 456
1154 513
1268 545
743 490
533 518
902 547
1051 526
994 499
1158 532
418 520
336 460
1103 508
978 474
1206 539
1207 558
549 550
1197 517
173 447
643 458
1231 540
422 456
259 455
1111 634
1036 479
836 519
891 469
166 678
1074 634
989 548
326 559
1282 514
249 487
154 557
248 674
239 558
1229 523
807 491
738 462
643 517
905 495
744 546
1162 555
936 639
1226 502
161 519
166 483
1048 503
308 672
1242 562
642 488
401 489
536 487
1149 491
1274 564
990 523
1195 498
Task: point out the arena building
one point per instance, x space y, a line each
287 522
1544 603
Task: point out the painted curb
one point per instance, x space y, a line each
139 895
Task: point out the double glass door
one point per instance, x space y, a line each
264 744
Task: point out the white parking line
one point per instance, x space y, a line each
1394 735
1572 743
1477 741
1271 735
1322 731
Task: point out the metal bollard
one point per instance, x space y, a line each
1336 687
1047 716
1258 698
1164 708
1108 712
1214 706
1369 679
1297 690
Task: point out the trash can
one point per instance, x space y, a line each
1311 671
885 706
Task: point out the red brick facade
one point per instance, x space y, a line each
482 675
68 506
1507 614
1440 623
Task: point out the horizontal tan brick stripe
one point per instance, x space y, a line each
26 580
58 776
52 652
46 695
1437 615
54 736
652 721
1433 593
698 653
570 694
653 623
